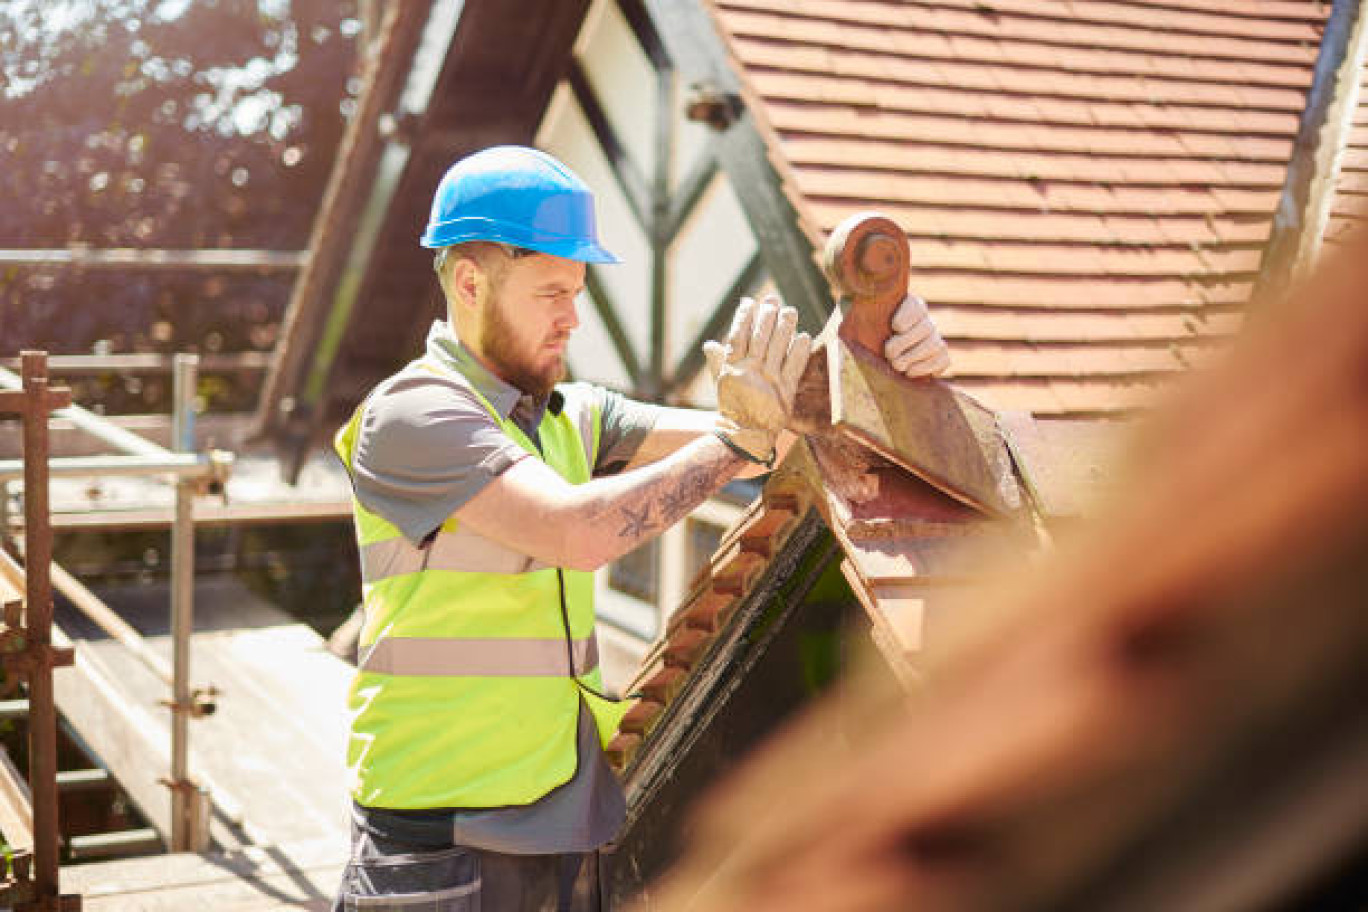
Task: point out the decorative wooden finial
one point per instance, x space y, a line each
867 259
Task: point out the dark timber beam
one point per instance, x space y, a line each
690 191
660 208
639 21
387 62
701 58
129 258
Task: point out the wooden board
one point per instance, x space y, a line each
929 428
16 806
10 595
222 431
272 754
126 734
294 876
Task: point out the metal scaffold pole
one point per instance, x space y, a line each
42 705
35 888
189 802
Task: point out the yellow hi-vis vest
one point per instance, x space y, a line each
463 695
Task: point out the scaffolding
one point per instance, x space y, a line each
193 473
32 880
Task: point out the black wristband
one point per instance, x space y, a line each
767 462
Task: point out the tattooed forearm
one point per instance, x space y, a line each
662 494
693 486
584 526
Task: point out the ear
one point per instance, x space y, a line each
464 283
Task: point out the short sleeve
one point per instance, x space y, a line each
624 425
425 447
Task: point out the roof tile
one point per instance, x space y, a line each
709 612
870 123
1052 38
1014 80
897 96
642 717
1089 359
1284 22
1097 173
1349 205
685 646
986 325
1081 292
1121 171
622 750
663 683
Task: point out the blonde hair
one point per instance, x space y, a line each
482 254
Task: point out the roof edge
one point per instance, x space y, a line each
1304 205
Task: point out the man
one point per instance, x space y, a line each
486 493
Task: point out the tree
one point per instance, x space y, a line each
163 123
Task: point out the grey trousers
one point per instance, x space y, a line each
388 876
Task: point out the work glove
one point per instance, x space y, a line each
916 349
756 372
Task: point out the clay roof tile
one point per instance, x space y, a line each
1098 156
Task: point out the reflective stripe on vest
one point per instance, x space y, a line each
463 698
493 657
460 550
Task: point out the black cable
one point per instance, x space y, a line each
570 645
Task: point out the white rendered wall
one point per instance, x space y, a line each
711 250
623 79
566 134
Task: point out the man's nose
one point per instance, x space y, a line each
569 315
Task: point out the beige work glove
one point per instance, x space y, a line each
757 373
916 348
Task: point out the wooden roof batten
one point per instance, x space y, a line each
1304 205
129 258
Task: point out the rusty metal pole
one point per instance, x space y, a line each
187 816
38 559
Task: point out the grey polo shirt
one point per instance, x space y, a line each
426 445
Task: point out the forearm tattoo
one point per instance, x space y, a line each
636 523
678 487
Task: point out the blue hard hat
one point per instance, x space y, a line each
519 196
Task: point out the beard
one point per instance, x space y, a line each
499 346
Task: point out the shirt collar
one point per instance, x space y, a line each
509 401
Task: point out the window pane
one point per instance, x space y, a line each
637 572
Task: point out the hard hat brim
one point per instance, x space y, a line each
468 228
